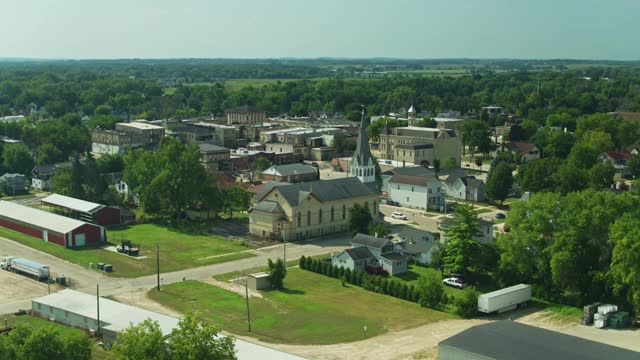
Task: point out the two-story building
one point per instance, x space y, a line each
214 158
246 115
418 145
369 250
619 161
419 192
465 188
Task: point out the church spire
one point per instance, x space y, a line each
362 164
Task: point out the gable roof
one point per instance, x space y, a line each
453 175
504 339
362 155
418 246
521 147
268 206
359 253
412 170
208 147
43 219
72 203
411 180
619 155
369 241
323 190
290 169
470 181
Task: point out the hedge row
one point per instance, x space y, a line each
363 279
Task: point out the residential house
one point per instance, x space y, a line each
410 170
523 151
418 245
420 192
485 229
290 173
619 161
355 259
13 184
465 188
373 251
41 175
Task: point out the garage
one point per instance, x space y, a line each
81 240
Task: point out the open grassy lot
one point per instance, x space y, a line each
178 250
313 309
36 322
234 274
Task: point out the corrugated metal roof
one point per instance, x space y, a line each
119 316
44 219
506 290
72 203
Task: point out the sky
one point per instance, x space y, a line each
425 29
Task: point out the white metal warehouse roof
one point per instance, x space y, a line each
119 316
72 203
44 219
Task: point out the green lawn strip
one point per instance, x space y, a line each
562 312
178 250
234 274
415 271
37 322
483 211
313 309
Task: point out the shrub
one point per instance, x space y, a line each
302 262
347 274
430 290
308 264
466 305
402 294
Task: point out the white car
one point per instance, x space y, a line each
455 282
398 215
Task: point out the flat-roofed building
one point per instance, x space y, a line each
246 115
418 145
214 158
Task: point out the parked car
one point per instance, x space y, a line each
500 216
454 282
398 215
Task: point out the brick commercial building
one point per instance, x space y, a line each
50 227
246 115
83 210
133 135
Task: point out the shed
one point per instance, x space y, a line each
259 281
49 227
84 210
506 340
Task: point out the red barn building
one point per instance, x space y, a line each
50 227
83 210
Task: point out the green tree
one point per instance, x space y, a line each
359 219
199 340
277 272
140 342
236 199
601 176
262 163
381 228
536 176
427 123
49 154
466 305
342 146
449 164
430 290
475 135
44 343
436 166
633 166
625 257
17 159
61 181
499 182
460 248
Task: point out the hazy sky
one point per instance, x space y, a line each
582 29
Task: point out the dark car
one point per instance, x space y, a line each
500 216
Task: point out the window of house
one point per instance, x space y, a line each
320 217
412 189
344 212
332 214
308 218
299 219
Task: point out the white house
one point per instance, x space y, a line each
417 244
420 192
465 188
368 250
523 151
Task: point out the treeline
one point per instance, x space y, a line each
576 248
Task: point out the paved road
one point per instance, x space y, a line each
85 280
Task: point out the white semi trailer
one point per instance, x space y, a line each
24 266
504 299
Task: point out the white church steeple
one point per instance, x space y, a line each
362 163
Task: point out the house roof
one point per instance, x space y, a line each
415 146
43 219
504 339
418 246
471 181
323 190
359 253
454 175
411 180
206 147
72 203
290 169
268 206
49 169
369 241
393 256
8 176
362 155
521 147
412 170
619 155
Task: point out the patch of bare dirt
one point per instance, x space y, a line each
139 298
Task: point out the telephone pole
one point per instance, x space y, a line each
98 331
158 263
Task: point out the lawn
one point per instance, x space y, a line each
234 274
36 322
313 309
178 250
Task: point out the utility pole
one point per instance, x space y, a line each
246 293
98 310
158 263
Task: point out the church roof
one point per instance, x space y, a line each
412 109
323 190
362 156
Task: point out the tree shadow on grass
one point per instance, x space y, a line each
288 291
408 276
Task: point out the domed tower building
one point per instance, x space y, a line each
412 115
362 163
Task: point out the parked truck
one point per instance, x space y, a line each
26 267
126 247
504 299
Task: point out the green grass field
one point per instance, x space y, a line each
178 250
36 322
313 309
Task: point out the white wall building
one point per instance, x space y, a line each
419 192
